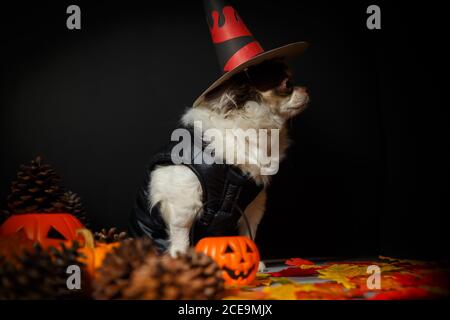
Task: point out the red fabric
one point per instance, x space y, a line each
242 55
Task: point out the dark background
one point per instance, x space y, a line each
367 174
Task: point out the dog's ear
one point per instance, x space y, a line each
232 95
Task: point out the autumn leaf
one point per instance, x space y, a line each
269 281
265 282
326 291
315 266
400 279
361 263
281 280
341 273
297 262
387 283
311 291
294 272
282 292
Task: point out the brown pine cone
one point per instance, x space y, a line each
39 274
36 189
114 274
110 236
74 205
189 276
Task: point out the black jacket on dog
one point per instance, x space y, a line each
226 192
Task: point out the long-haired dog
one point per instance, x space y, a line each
262 97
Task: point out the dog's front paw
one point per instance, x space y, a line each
261 266
175 251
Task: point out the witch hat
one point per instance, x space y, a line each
235 45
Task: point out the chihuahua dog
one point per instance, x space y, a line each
261 97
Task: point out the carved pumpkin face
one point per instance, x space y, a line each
50 229
237 256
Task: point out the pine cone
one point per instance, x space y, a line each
73 204
36 189
110 236
191 276
38 274
114 274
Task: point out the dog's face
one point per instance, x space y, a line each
269 84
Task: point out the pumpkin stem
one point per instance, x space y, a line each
87 236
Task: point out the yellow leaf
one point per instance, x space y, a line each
342 273
282 292
265 282
306 287
308 266
282 280
337 277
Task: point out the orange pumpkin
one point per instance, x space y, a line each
49 229
94 253
237 256
12 244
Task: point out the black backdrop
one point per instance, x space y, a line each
367 174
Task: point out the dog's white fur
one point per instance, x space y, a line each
177 189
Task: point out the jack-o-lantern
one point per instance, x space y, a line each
49 229
94 253
237 256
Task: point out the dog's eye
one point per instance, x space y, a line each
285 88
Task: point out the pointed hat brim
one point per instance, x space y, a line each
285 52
